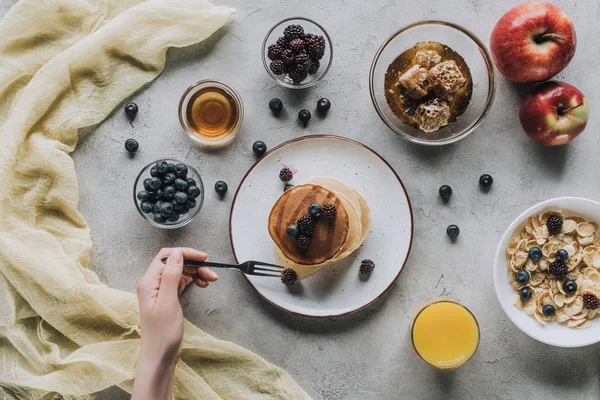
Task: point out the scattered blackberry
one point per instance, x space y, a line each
287 56
590 301
329 211
306 225
277 67
315 46
297 45
274 52
303 62
554 223
297 75
292 32
367 266
303 242
286 174
289 276
558 269
314 67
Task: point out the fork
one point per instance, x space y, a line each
256 268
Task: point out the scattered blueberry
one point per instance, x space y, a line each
259 148
452 231
287 187
131 145
193 191
221 187
524 294
304 116
275 105
562 255
486 181
181 171
314 210
323 105
155 183
181 197
548 310
146 207
445 192
143 195
522 276
180 184
535 254
570 286
292 231
131 109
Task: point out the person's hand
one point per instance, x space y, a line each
162 319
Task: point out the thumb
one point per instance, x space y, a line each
171 275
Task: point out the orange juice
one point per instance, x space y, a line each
445 334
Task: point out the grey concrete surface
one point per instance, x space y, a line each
367 355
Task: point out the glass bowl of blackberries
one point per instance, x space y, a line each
297 53
168 193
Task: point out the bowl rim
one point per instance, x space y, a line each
191 216
499 258
272 75
491 85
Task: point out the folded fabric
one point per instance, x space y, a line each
64 65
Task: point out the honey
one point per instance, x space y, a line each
212 113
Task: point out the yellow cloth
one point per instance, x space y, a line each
65 64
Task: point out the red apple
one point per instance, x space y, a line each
533 42
554 113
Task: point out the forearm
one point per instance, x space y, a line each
153 377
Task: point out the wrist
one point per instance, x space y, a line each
154 376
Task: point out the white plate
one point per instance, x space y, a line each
337 289
553 333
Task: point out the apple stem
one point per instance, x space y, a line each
566 110
549 36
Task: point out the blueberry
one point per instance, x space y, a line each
181 197
445 192
160 194
165 208
524 294
143 195
131 109
323 105
147 184
152 198
314 210
292 231
169 192
181 170
220 187
180 184
161 167
304 116
193 191
159 218
131 145
170 167
155 183
191 203
535 254
562 255
548 310
570 286
153 171
146 207
177 206
287 187
174 217
184 209
275 105
156 207
191 182
259 148
452 231
522 276
486 181
169 178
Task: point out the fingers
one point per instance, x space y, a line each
200 282
156 267
205 273
171 275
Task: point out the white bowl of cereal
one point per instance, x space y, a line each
557 299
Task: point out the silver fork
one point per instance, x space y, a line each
256 268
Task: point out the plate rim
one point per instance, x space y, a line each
515 223
335 137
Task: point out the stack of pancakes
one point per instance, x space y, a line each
332 240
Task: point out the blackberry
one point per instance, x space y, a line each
292 32
306 225
367 266
315 46
289 276
303 242
314 67
287 56
277 67
590 301
329 211
303 62
558 269
297 45
282 41
554 223
297 75
274 52
286 174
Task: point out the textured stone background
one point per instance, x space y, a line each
367 355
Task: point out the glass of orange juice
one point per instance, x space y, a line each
445 333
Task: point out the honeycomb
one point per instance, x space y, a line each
447 79
432 115
427 58
415 82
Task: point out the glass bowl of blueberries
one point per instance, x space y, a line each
297 52
168 193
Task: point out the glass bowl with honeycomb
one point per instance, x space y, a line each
432 82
